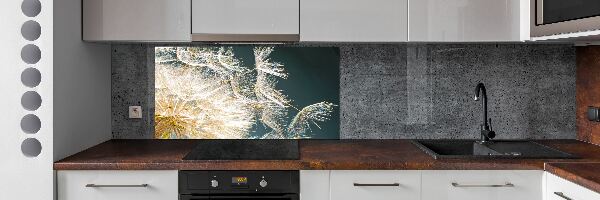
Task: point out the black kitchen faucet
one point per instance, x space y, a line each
486 129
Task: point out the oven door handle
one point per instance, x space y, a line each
249 197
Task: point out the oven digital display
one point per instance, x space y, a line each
239 180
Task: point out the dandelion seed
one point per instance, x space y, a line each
206 92
312 114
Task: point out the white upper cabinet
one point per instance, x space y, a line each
353 20
136 20
245 20
307 20
468 20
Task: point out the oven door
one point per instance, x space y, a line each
552 17
240 197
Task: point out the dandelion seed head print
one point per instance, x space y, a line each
246 92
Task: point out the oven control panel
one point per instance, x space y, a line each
228 182
263 183
239 182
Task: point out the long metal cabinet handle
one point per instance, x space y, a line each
492 185
116 186
376 184
560 194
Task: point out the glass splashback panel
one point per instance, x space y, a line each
246 92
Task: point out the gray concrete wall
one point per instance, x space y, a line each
410 91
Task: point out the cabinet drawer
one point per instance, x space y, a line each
375 185
560 189
482 184
314 184
116 185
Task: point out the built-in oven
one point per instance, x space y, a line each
238 185
553 17
240 197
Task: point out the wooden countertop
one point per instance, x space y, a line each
331 155
584 174
314 154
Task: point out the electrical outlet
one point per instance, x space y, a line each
593 114
135 112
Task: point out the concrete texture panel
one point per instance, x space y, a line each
391 91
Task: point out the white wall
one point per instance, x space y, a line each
75 93
24 177
82 96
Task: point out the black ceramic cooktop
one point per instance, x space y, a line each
244 150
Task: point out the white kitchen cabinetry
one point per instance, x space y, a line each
375 185
314 184
245 20
560 189
117 185
468 20
482 185
353 20
136 20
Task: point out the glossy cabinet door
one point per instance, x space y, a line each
314 184
353 20
117 185
482 184
560 189
468 20
136 20
235 17
375 185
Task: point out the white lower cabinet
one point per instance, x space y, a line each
560 189
421 185
314 184
341 185
117 185
482 185
375 185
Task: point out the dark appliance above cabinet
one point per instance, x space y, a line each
554 17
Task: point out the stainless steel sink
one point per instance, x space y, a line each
495 149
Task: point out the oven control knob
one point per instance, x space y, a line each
263 183
214 183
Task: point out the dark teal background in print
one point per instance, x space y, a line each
313 77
